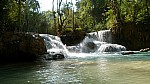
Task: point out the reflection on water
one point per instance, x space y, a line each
81 69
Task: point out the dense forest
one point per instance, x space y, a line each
67 18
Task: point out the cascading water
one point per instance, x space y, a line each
93 43
54 46
102 36
52 42
98 42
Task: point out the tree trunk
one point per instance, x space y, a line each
19 16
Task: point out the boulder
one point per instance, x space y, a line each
15 46
111 48
89 47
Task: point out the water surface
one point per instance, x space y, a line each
81 69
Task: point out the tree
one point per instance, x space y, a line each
31 15
92 12
62 14
8 15
122 11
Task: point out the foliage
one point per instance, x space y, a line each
8 14
24 16
68 30
92 12
90 15
78 29
124 11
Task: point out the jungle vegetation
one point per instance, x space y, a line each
87 16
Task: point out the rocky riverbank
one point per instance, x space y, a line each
15 46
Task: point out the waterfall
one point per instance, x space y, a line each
100 41
102 36
54 45
94 42
53 42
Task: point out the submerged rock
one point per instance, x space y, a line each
15 46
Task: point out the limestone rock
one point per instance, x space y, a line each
111 48
144 50
20 46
